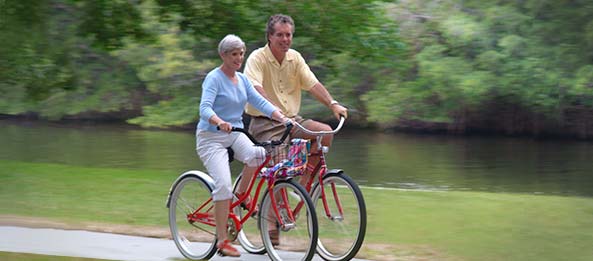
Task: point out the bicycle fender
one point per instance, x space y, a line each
196 173
334 171
327 173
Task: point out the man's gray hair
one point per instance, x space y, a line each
230 43
278 18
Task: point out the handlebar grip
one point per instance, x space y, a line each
289 126
232 129
244 132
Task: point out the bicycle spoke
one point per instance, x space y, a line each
203 229
342 232
249 236
297 236
189 208
194 239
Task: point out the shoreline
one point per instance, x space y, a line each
408 127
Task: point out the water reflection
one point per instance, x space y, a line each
98 145
466 163
372 159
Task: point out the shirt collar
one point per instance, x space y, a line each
271 58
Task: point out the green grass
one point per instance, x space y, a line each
84 194
484 226
7 256
427 225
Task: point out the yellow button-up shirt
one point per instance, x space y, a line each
281 82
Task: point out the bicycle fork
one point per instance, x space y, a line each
283 210
322 169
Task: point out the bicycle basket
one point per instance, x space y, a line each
288 161
278 154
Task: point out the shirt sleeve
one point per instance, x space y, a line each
253 69
209 92
256 100
307 77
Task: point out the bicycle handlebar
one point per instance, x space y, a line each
288 126
322 133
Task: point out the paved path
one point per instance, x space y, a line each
78 243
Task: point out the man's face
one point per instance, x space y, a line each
281 39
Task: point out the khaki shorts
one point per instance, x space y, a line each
265 129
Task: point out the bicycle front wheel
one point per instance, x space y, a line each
191 218
342 217
295 238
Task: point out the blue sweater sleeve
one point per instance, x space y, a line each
209 91
256 100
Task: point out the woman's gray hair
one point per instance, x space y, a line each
230 43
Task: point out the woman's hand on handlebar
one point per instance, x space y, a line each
225 126
287 121
278 116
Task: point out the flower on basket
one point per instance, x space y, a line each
294 165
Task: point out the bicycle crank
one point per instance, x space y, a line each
232 231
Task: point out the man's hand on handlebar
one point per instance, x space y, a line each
339 111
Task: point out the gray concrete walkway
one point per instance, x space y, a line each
78 243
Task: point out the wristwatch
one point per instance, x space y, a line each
333 102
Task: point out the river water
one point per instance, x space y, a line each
375 159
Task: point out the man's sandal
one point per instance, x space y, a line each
275 234
274 237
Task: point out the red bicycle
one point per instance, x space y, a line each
339 204
286 207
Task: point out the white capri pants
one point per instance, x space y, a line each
212 150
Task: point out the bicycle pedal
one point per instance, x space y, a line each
337 218
287 227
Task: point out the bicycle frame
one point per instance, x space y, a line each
194 218
203 214
319 172
320 169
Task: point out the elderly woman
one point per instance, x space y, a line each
225 93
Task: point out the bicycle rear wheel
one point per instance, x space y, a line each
297 238
194 236
249 237
342 226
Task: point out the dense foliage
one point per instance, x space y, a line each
518 67
515 66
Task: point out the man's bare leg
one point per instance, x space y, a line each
245 178
326 141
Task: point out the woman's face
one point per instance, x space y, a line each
233 59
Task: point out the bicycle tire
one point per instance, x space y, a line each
249 236
340 236
298 239
195 241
